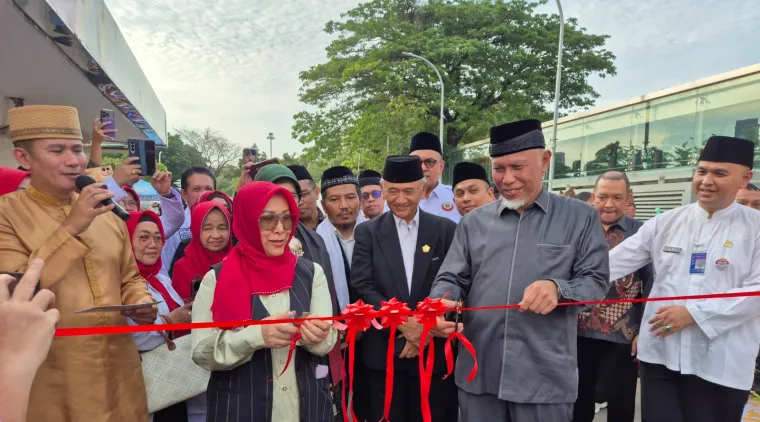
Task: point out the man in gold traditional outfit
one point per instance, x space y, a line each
89 263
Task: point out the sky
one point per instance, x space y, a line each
233 65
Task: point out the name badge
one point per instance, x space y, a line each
698 261
671 249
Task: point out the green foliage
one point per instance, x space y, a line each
179 156
497 59
113 160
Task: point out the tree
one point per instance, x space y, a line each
289 160
497 59
179 156
216 150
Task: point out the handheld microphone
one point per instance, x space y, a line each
85 180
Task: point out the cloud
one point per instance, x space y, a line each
660 44
233 65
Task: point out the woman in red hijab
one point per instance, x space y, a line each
12 180
263 278
210 242
217 196
147 235
132 201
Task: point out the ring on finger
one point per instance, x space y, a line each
668 328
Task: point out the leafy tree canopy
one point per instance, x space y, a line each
497 60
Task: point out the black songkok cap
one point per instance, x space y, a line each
466 171
725 149
369 178
515 137
403 169
339 175
300 172
425 140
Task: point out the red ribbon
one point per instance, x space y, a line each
450 355
293 345
131 329
427 314
392 314
359 316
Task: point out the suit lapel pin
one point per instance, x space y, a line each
728 244
426 249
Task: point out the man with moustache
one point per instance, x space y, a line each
471 187
311 216
340 199
373 203
89 263
531 248
607 334
698 356
397 255
438 199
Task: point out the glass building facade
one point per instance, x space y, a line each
665 130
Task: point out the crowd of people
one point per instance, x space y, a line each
286 246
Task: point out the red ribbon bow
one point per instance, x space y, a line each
392 314
428 312
359 316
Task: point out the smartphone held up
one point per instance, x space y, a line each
145 151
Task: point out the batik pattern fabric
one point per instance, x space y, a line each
617 322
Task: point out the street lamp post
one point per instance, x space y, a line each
556 94
270 138
440 79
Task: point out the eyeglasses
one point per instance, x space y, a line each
144 239
268 222
296 196
307 192
375 194
430 162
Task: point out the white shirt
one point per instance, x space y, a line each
150 340
348 245
441 203
721 346
407 237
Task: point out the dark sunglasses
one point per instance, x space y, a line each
268 222
375 194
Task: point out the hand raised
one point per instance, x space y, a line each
162 182
27 324
99 134
127 173
87 207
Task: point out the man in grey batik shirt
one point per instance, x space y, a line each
533 248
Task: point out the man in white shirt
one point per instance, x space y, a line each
698 356
398 255
438 199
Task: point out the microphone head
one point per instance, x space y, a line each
83 180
